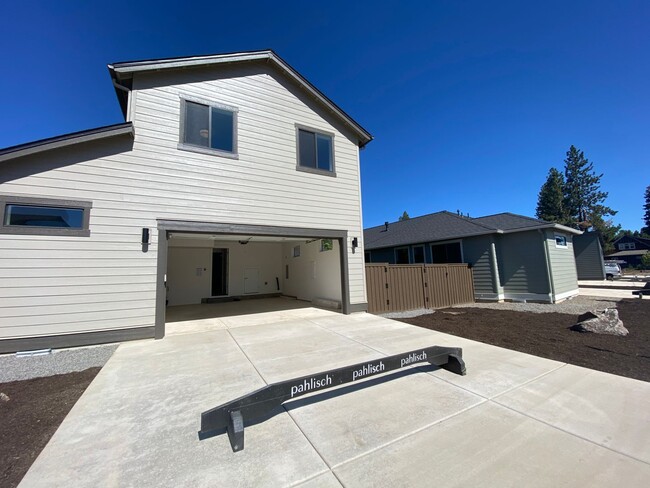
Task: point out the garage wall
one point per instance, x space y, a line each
189 270
188 274
314 274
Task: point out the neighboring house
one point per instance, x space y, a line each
232 175
512 257
629 250
589 256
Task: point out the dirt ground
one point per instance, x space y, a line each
30 415
548 335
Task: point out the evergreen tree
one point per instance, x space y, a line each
646 215
405 216
550 201
583 199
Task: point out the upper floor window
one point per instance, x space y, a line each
626 245
315 151
208 128
44 216
560 240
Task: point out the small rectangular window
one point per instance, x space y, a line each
26 215
560 240
402 255
296 251
326 245
212 128
418 254
315 151
446 253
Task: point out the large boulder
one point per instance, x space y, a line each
601 322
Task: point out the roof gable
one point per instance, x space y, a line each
122 75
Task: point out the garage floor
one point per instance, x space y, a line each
514 420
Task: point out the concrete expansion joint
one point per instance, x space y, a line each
410 434
548 424
532 380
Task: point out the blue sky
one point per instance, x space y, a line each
470 102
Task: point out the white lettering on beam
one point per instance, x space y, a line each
311 384
368 369
413 358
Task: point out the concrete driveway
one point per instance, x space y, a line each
514 420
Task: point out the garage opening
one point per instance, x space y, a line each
207 272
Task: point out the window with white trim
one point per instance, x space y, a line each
560 241
626 245
315 151
208 128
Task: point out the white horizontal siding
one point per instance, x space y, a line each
106 281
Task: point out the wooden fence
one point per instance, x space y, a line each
398 287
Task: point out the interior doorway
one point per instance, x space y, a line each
219 272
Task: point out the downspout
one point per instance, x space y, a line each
495 269
549 268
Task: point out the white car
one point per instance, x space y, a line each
612 271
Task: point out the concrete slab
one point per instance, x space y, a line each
600 407
350 421
513 420
327 480
137 424
490 446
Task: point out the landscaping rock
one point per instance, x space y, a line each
601 322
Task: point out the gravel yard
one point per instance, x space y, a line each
15 368
36 394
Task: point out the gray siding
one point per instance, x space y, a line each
476 251
563 264
589 256
61 285
522 265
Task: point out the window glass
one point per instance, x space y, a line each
418 254
446 253
326 245
315 150
307 149
324 152
197 118
560 241
296 251
39 216
402 256
222 130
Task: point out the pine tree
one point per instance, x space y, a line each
550 201
405 216
646 215
583 200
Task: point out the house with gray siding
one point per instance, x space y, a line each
231 176
589 256
512 257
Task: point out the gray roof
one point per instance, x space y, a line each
122 75
509 221
66 140
443 226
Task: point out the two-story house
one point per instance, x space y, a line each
232 175
629 250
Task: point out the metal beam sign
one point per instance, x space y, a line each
231 415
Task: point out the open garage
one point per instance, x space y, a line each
204 265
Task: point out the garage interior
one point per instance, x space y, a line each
207 270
